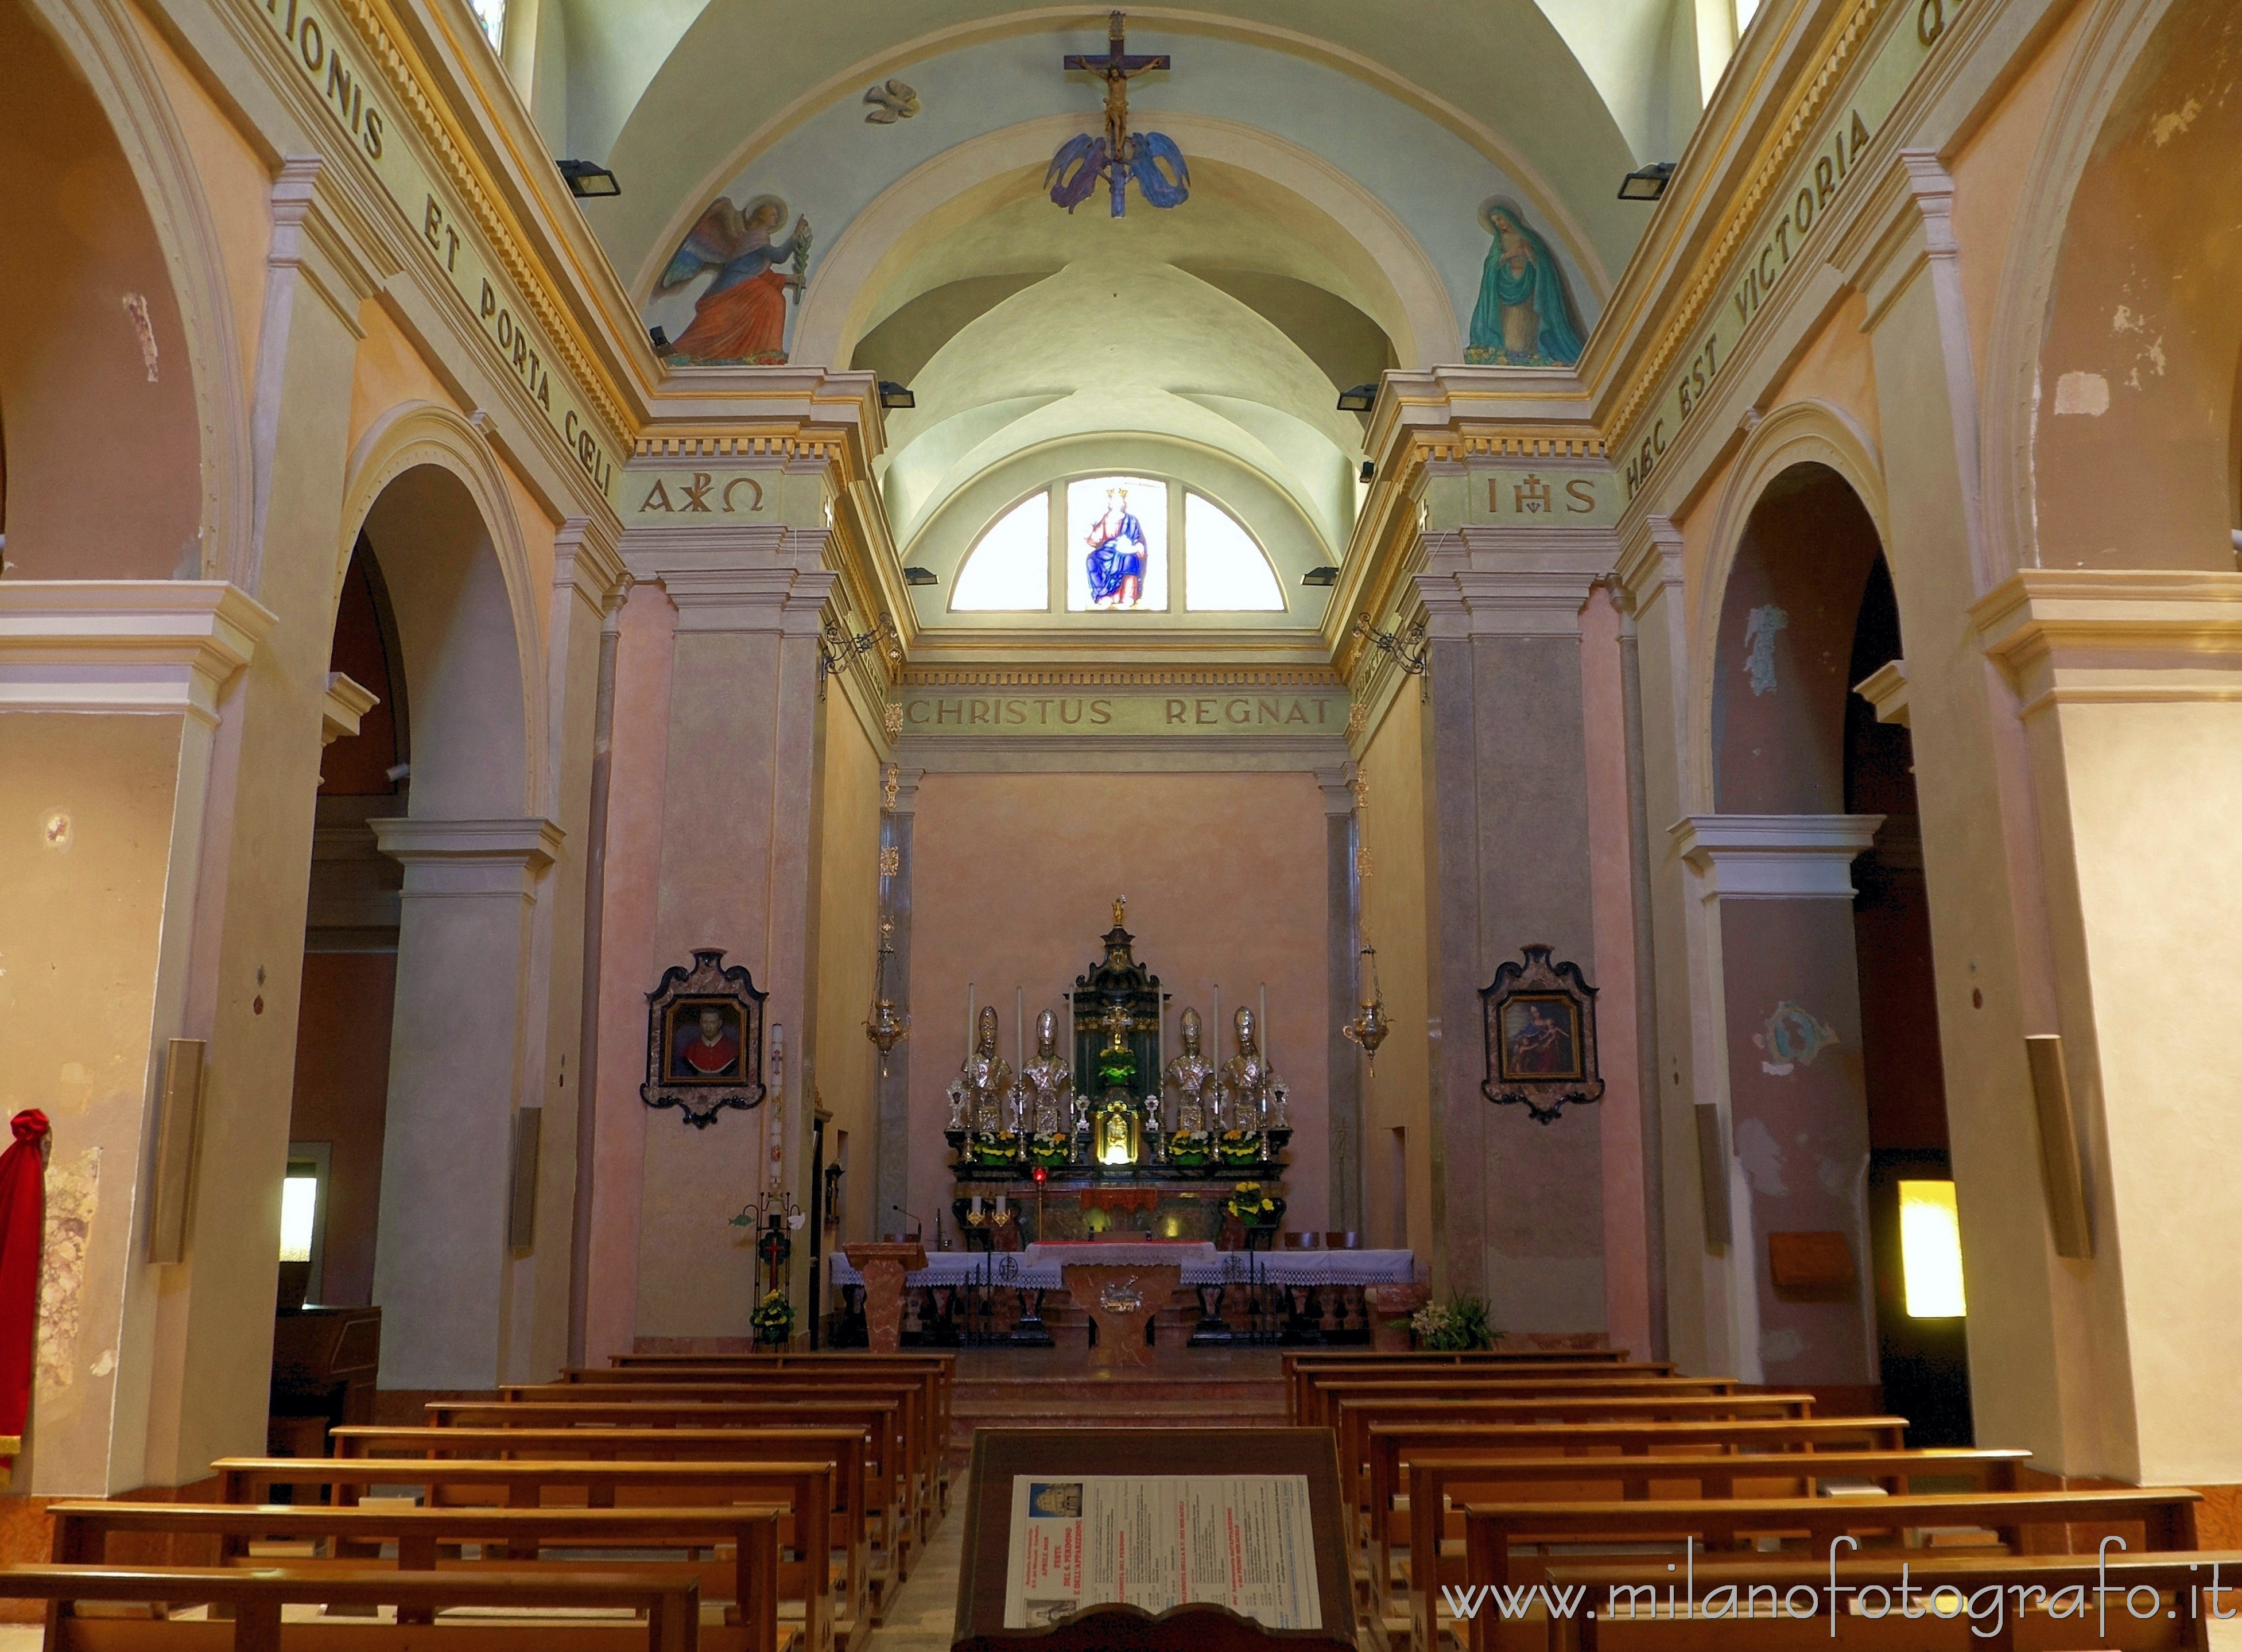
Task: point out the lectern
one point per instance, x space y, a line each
883 1265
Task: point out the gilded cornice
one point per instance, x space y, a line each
1093 677
1810 93
454 151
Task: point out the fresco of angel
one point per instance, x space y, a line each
741 317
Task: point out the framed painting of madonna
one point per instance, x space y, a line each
1540 1037
704 1040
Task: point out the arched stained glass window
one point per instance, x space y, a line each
1117 544
1008 571
1223 570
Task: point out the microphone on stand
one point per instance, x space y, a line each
920 1234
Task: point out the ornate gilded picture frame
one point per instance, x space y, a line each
704 1043
1540 1028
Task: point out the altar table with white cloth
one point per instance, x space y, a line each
1037 1267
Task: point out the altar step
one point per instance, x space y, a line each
1168 1394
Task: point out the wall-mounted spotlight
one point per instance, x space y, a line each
1369 472
587 178
920 576
1328 574
660 340
1361 399
895 395
1645 182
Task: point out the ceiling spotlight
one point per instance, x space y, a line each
920 576
585 179
660 340
895 395
1645 182
1361 399
1369 471
1328 574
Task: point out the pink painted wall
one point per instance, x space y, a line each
1013 881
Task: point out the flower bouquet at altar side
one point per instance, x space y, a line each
1238 1146
1051 1149
1248 1204
1459 1325
773 1318
1004 1149
1190 1147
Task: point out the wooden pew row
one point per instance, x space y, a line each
1430 1528
1355 1418
805 1489
935 1375
857 1491
353 1537
1323 1393
918 1445
1392 1444
945 1366
2178 1620
879 1417
671 1606
1493 1532
1299 1367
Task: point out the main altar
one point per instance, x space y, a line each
1117 1134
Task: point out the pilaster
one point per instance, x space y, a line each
459 1069
1342 1060
1518 1204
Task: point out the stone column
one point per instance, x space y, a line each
458 1055
2128 683
736 861
1520 1203
1992 866
1342 1060
1778 891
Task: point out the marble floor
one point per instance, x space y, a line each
926 1606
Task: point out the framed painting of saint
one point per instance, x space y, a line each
704 1040
1541 1021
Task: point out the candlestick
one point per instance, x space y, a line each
1019 1029
1218 1025
977 1204
1266 1058
969 1020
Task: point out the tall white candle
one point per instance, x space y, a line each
1216 1029
1266 1058
1019 1028
969 1019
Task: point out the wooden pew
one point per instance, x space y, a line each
1492 1532
936 1374
672 1606
1323 1393
917 1436
805 1488
1354 1417
880 1417
857 1490
2179 1620
1299 1367
1391 1444
944 1366
1436 1485
354 1536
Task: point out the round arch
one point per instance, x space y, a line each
2110 40
1810 432
105 46
421 437
1403 288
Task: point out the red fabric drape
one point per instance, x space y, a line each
23 1233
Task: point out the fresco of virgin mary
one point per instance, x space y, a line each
740 316
1525 316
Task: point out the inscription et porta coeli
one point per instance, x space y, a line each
936 712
